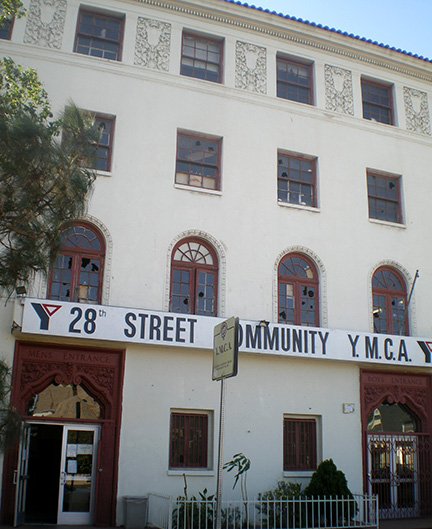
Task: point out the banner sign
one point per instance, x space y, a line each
127 325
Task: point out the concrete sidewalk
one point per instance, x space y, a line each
407 523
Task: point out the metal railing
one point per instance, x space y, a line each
159 511
298 513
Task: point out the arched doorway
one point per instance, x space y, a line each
396 428
65 470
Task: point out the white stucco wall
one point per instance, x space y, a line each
143 212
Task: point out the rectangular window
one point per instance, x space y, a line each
6 29
384 197
294 80
297 179
201 58
377 102
189 440
299 444
99 35
105 126
198 161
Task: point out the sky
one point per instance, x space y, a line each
399 23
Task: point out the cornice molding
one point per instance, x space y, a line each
316 42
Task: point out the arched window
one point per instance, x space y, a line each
389 302
298 291
392 417
77 271
194 278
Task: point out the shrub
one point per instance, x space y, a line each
194 513
328 481
273 504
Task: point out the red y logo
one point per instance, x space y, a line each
45 311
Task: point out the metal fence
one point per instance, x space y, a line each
298 513
159 511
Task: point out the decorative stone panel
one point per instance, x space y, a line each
251 67
152 44
413 391
45 23
339 90
417 111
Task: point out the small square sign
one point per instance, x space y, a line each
225 349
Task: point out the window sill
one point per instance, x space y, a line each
191 472
298 473
298 206
376 122
103 173
198 189
388 223
295 101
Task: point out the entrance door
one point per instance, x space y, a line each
77 475
393 474
56 475
21 476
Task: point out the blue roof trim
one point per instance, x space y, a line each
333 30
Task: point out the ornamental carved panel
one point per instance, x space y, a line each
414 391
152 44
251 67
339 90
45 23
417 111
36 366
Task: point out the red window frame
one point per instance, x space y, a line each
377 99
298 274
291 83
297 179
384 197
201 57
188 440
193 263
299 444
389 295
68 270
197 163
91 38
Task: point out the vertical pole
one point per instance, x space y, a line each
220 455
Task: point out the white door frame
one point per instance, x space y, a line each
68 473
21 476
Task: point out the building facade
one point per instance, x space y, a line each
250 165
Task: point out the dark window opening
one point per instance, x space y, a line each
299 444
201 58
294 81
99 35
188 440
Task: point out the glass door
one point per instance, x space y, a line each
21 476
77 474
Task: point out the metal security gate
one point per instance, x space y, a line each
399 474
